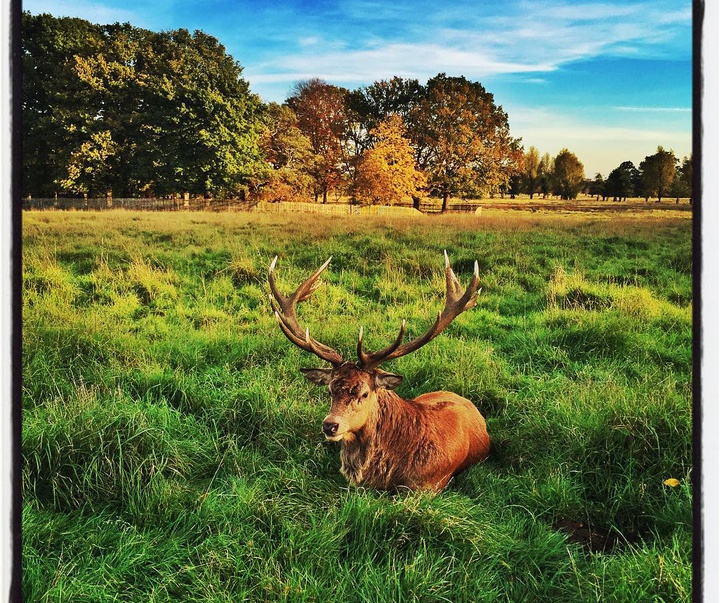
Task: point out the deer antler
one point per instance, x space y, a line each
284 308
456 302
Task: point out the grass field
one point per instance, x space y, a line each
172 449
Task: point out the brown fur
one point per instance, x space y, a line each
390 443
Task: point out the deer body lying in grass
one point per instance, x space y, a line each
388 442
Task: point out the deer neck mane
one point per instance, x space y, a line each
386 416
365 453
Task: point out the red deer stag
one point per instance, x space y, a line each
388 442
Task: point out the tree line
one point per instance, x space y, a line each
116 109
661 175
658 176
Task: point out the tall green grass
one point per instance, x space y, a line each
172 450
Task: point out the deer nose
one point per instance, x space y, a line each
329 428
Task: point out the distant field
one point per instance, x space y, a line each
172 449
669 208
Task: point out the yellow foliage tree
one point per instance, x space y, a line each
387 173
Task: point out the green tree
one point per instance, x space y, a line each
89 167
54 102
597 187
386 172
682 184
545 174
174 105
289 155
112 87
568 175
531 171
621 182
461 138
657 174
203 125
515 186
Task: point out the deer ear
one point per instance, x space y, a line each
317 376
387 380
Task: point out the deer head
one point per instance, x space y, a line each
355 386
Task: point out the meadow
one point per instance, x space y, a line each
172 449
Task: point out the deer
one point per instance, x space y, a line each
388 442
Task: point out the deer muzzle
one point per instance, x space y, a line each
332 428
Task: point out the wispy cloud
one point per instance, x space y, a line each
407 60
309 41
527 37
363 40
557 33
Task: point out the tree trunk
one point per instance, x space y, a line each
416 203
444 203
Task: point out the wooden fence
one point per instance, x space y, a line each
334 209
154 204
140 204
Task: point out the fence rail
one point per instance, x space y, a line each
436 208
140 204
334 209
154 204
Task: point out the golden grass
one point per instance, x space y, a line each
94 226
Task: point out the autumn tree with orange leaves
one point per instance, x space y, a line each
321 116
386 172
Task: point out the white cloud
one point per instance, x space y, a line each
529 37
381 39
405 60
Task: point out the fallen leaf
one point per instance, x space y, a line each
672 482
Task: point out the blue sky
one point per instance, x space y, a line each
608 80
